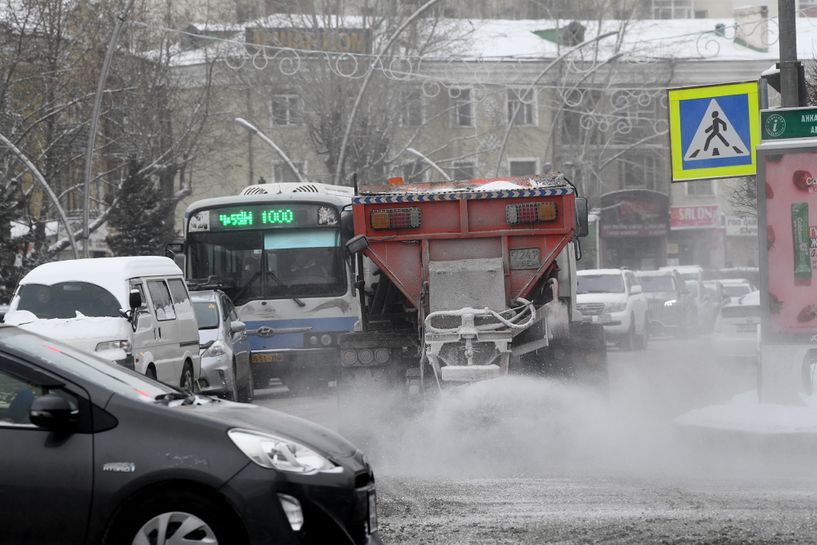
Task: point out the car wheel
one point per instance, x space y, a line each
173 518
628 342
186 382
244 392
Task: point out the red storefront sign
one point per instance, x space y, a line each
694 217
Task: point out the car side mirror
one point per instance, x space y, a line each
135 299
53 412
635 290
582 223
237 327
357 244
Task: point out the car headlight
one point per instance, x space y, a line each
275 452
670 303
216 349
122 344
617 306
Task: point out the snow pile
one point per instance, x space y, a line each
499 185
746 414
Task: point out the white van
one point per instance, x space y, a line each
132 310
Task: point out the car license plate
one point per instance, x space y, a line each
372 511
267 358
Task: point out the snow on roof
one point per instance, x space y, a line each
499 39
110 273
553 180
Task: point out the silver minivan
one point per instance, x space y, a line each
135 311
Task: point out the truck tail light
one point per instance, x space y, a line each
530 212
395 218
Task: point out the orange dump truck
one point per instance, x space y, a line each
472 280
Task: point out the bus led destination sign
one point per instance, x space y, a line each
263 216
250 218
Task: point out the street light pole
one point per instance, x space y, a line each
433 165
51 195
254 130
789 65
89 151
365 84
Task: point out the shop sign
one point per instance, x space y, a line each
694 217
741 226
634 213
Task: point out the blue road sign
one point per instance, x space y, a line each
713 131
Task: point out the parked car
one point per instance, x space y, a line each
132 310
95 453
735 288
614 298
736 326
4 308
671 310
225 349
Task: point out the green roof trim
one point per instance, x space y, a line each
554 35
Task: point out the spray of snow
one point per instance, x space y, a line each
524 427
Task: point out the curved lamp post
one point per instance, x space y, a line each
254 130
365 84
51 195
433 165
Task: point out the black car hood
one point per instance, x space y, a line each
255 418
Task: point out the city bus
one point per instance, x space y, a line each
277 250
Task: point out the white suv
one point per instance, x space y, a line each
615 299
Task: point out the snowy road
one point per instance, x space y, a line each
534 461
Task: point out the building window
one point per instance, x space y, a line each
286 111
522 167
462 170
462 107
672 9
523 101
637 171
411 107
701 187
282 174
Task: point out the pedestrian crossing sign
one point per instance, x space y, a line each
713 131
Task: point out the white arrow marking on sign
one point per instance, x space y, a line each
715 138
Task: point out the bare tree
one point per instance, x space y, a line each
50 56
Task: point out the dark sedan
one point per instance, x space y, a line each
94 453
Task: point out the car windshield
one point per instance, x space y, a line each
736 290
599 283
206 314
658 283
67 300
66 360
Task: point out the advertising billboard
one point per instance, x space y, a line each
789 247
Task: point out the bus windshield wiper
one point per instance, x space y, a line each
281 283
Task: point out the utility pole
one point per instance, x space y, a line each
790 67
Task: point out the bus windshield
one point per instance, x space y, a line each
274 264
